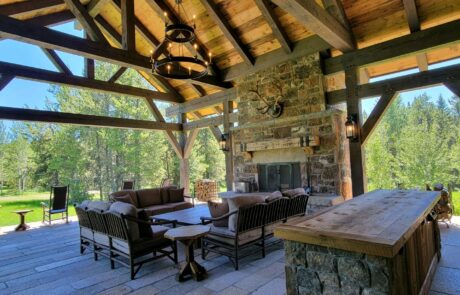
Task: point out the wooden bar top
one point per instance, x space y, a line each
377 223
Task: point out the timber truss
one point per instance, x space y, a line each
328 23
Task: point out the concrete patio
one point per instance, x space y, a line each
46 260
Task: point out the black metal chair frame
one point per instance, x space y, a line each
117 229
250 218
48 208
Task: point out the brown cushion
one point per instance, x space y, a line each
165 193
241 201
145 230
128 210
159 209
217 210
294 192
176 195
274 196
131 193
148 197
182 205
98 205
124 199
227 236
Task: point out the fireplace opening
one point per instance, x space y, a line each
279 176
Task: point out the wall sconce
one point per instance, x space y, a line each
351 128
223 142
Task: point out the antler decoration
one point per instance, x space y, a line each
274 109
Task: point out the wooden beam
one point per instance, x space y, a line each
90 68
202 102
412 44
272 20
57 61
411 15
84 120
52 19
169 134
364 76
304 47
216 132
5 80
87 22
335 8
117 75
422 62
454 86
16 8
80 82
376 115
110 31
189 143
229 33
444 75
228 111
319 21
354 109
127 25
95 6
205 122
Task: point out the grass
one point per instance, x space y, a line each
456 201
28 200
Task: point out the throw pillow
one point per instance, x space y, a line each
145 230
274 196
241 201
149 197
128 210
217 210
124 199
165 193
98 205
176 195
294 192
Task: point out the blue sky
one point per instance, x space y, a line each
24 93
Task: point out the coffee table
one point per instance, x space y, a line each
22 217
187 235
189 216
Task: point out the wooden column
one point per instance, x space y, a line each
184 168
228 109
354 108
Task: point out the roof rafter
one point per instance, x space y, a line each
272 20
319 21
95 6
5 80
411 14
117 74
127 25
57 61
228 31
27 6
84 120
80 82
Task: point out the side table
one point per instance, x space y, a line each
187 236
22 215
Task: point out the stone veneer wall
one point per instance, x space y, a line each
316 270
304 113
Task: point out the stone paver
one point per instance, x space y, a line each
47 260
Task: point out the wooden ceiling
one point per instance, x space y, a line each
238 31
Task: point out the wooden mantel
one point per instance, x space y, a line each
377 223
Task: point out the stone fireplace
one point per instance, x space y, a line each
325 167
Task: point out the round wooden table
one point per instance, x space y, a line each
187 235
22 215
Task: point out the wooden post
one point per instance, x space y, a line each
353 108
228 109
184 168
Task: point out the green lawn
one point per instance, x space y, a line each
456 201
28 200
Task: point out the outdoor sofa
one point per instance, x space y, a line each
155 201
122 233
251 224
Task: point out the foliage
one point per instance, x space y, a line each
415 144
36 155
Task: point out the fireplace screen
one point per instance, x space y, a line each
279 176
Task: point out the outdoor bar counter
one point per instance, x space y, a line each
382 242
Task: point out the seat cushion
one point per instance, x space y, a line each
241 201
132 194
143 246
159 209
101 239
217 210
128 210
125 199
145 230
87 233
98 205
274 196
227 236
148 197
294 192
182 205
176 195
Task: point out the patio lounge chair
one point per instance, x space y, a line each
59 198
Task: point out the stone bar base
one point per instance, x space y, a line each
312 270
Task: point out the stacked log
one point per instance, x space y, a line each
206 190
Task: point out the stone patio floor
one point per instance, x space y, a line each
46 260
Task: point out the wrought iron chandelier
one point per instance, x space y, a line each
179 65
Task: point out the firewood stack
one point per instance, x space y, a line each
206 190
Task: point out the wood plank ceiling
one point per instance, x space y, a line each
237 32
